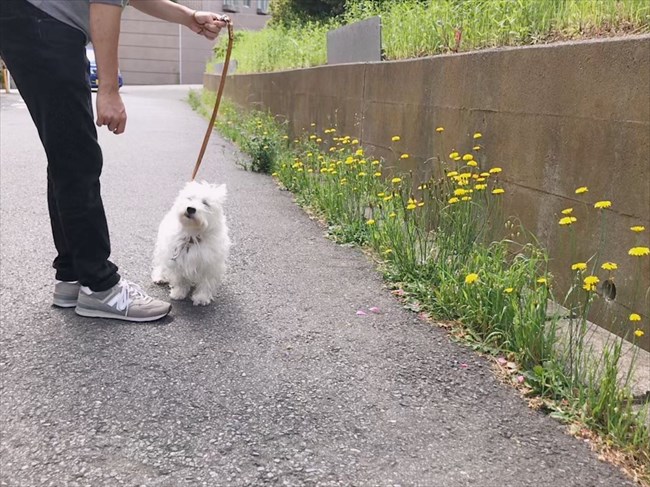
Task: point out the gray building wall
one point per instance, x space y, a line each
154 52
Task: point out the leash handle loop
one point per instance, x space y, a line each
222 83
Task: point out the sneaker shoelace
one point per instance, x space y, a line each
129 292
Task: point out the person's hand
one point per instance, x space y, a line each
208 24
111 111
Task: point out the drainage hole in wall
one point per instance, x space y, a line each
608 289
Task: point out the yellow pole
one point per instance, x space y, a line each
5 77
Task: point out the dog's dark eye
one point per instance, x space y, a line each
206 204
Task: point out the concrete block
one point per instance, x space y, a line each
355 43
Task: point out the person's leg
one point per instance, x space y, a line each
48 62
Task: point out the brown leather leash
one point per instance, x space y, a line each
222 83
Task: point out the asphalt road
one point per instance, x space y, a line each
277 383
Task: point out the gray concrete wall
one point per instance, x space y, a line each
554 117
149 50
154 52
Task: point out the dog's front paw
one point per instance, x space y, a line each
201 299
158 276
179 292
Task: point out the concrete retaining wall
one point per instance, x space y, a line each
553 117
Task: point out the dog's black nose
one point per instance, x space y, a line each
190 210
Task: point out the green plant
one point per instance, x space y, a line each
413 28
440 242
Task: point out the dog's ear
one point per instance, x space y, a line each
220 193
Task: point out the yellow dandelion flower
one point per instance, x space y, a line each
453 200
319 140
468 157
542 280
392 214
476 147
582 189
602 204
480 187
362 174
421 203
609 266
473 164
359 152
312 137
285 137
635 317
411 206
498 191
568 211
638 333
451 174
589 283
459 192
371 222
568 220
377 174
508 290
477 135
395 138
355 142
440 129
637 228
274 174
466 198
480 180
485 174
471 278
310 170
375 162
388 251
381 195
495 170
396 180
344 181
404 156
453 155
388 197
579 266
639 251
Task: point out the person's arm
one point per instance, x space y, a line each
105 34
207 24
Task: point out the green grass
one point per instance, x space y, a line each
439 243
413 28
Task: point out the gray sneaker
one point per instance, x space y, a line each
65 294
124 301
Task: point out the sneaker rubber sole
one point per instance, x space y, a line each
94 313
64 303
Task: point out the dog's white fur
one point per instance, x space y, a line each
192 246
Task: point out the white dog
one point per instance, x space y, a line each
193 243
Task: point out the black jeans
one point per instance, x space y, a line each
47 60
